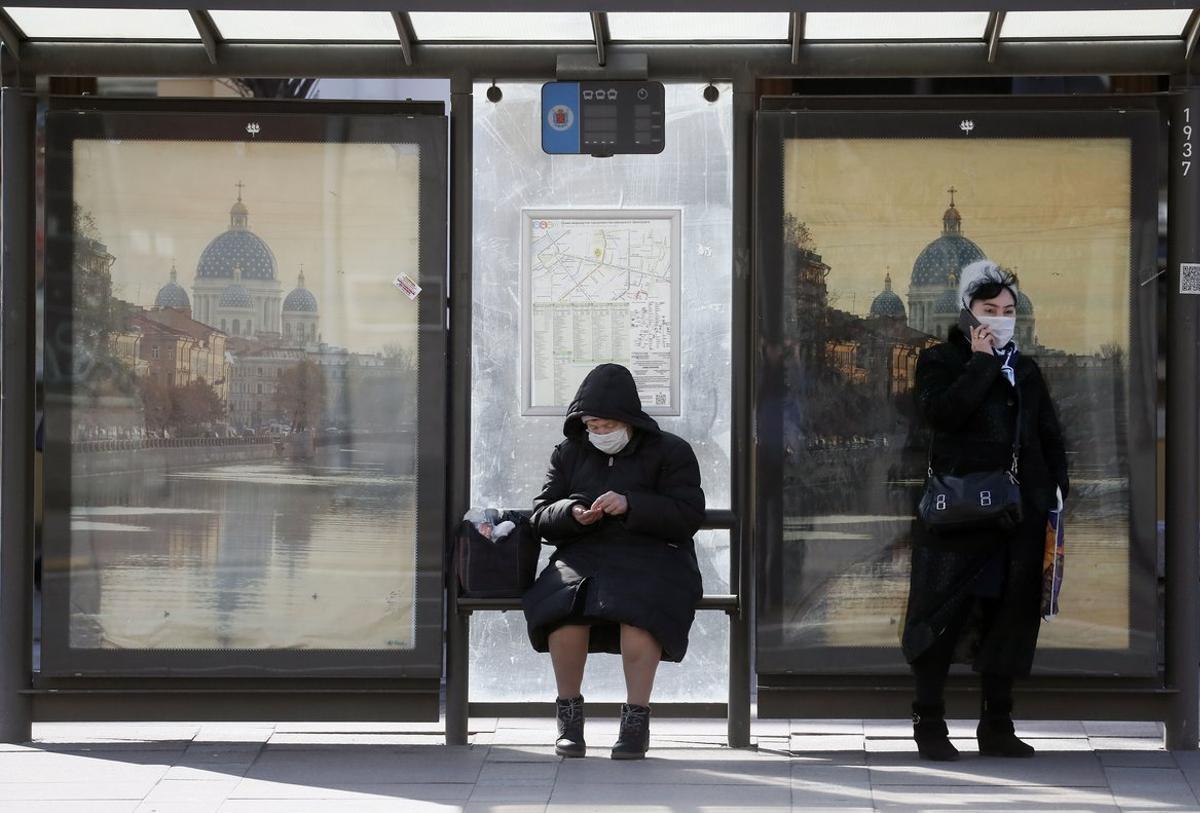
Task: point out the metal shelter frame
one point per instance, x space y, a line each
23 60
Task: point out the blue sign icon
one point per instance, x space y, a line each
560 118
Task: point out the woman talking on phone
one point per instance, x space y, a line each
975 594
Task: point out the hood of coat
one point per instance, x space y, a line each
608 391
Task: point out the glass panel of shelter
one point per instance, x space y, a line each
494 25
510 446
866 287
306 25
106 24
1114 23
233 379
900 25
697 26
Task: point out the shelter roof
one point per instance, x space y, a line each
33 26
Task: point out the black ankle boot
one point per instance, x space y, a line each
570 727
930 732
996 734
634 739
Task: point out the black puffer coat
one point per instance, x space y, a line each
639 568
972 409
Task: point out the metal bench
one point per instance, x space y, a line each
458 630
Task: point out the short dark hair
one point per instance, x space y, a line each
990 288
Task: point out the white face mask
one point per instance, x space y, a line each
1002 327
610 442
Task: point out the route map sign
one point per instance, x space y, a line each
599 285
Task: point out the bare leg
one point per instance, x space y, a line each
640 654
568 653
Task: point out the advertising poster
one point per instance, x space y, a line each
875 232
237 391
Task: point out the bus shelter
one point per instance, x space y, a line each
264 345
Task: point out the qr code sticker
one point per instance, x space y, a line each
1189 278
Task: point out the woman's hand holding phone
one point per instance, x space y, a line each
980 335
982 340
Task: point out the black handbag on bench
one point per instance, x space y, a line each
491 568
984 500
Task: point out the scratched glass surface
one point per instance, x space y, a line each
509 451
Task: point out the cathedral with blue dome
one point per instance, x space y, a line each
933 305
888 304
237 289
300 314
935 272
173 295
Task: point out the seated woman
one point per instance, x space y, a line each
622 501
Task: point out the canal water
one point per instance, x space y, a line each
269 554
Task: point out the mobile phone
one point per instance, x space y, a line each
967 321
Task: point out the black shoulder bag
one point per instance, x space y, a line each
497 568
984 500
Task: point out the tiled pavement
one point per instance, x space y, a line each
849 766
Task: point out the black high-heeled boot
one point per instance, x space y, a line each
570 727
996 733
634 739
931 734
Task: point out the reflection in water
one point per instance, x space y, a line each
849 577
251 555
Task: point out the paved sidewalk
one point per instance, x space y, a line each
844 766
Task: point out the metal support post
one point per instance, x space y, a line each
458 625
1183 420
741 569
16 412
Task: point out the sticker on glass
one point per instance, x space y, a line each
1189 278
407 284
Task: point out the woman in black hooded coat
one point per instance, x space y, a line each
975 596
624 577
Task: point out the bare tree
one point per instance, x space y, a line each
194 405
184 410
156 404
796 233
300 395
400 357
97 316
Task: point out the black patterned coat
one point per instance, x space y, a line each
639 568
971 408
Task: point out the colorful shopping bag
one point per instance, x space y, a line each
1052 565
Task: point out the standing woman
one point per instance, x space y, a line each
621 503
975 596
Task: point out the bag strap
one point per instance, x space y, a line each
1016 448
1016 454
